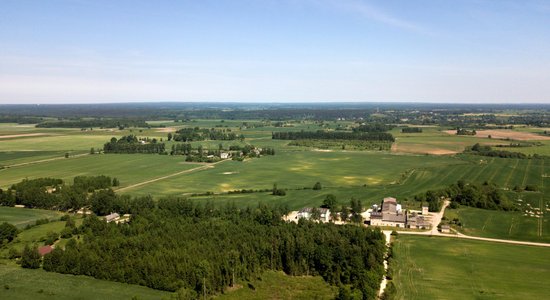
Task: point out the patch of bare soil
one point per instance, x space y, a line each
167 129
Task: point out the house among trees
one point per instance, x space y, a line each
45 250
314 213
224 155
112 217
391 214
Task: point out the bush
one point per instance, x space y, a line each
30 258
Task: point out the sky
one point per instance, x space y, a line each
93 51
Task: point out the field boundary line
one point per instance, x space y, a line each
525 173
511 172
203 167
44 160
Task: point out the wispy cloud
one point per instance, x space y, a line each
374 13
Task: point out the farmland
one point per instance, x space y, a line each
130 169
417 162
21 217
446 268
19 283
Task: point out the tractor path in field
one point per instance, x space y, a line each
436 219
45 160
203 167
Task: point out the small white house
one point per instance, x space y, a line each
306 213
224 155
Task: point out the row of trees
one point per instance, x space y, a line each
217 247
333 135
131 144
411 130
489 151
198 134
462 131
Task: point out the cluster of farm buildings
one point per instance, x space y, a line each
389 213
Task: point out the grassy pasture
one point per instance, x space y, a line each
277 285
17 157
21 217
39 284
128 168
447 268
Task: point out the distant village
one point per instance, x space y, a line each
388 213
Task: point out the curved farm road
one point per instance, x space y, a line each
204 167
436 219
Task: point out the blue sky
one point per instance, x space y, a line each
61 51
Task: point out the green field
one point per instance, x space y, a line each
298 169
277 285
128 168
446 268
19 283
22 217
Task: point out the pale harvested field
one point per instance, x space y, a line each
167 129
23 135
420 149
507 134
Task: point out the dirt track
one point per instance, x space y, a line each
23 135
203 167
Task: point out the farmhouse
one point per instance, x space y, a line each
224 155
391 214
307 212
112 217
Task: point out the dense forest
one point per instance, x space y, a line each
131 144
333 135
215 248
52 193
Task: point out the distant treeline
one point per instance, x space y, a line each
131 144
52 193
411 130
332 135
20 119
102 123
216 248
198 134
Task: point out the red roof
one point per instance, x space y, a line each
45 250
